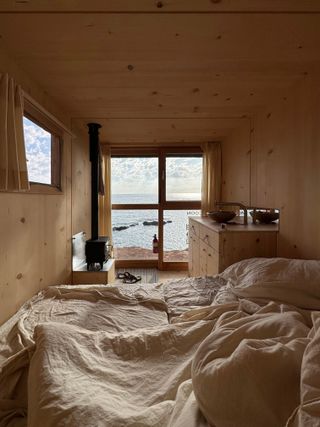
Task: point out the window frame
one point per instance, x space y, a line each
163 204
42 120
177 204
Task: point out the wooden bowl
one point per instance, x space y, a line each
265 217
221 216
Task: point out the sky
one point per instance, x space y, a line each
38 151
140 175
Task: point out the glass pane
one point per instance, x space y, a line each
175 234
134 180
133 233
183 178
38 152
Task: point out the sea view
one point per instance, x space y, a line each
136 228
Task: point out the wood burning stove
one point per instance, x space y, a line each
97 252
98 249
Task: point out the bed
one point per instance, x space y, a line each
238 349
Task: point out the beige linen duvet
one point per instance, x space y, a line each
91 307
243 363
246 371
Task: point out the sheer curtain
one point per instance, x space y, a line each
13 163
105 227
211 179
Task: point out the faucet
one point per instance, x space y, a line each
240 205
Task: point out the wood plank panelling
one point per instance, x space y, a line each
81 178
201 101
160 6
285 171
157 68
196 65
164 130
35 229
287 144
118 39
236 157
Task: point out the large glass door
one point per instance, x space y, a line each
181 198
153 194
135 208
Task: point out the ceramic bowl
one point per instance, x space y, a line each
265 217
221 216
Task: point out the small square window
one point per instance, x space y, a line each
43 152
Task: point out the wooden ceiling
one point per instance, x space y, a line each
163 71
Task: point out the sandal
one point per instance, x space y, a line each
130 278
121 275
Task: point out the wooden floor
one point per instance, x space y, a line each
152 275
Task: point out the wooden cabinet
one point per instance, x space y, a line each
194 248
213 248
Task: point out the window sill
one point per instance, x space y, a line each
37 189
44 189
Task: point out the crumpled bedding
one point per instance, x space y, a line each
116 309
253 361
239 366
113 380
214 358
91 307
184 294
105 307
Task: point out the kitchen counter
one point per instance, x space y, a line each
235 225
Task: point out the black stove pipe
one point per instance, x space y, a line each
94 158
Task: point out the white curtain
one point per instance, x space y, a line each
212 176
105 228
13 163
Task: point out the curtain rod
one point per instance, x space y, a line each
50 116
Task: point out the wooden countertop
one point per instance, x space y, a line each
208 222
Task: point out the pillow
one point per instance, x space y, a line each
292 281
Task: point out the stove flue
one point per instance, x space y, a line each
97 248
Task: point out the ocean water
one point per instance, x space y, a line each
136 228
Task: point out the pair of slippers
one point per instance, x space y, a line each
128 277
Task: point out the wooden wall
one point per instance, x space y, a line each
283 168
35 229
81 178
236 156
